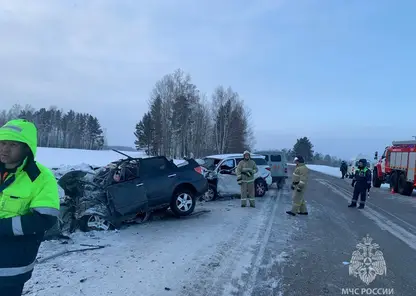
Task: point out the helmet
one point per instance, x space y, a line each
299 159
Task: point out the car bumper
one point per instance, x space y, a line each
201 187
269 180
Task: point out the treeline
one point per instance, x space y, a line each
183 122
304 147
59 129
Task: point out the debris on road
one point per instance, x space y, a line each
89 248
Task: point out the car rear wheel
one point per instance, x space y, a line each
94 222
376 180
260 187
183 202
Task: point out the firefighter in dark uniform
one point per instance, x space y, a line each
361 183
29 204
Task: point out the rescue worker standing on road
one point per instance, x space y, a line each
29 204
246 170
361 183
299 182
343 168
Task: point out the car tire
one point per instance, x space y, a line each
94 222
183 202
211 194
394 180
260 187
404 187
376 180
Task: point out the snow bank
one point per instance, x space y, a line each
332 171
58 157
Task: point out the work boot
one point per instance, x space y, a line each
243 203
290 213
353 205
361 206
252 204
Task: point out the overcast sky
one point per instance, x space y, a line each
341 72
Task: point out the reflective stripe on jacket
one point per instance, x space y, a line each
29 205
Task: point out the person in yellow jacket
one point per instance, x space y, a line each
29 204
246 169
299 182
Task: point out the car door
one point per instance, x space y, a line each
128 197
227 178
159 179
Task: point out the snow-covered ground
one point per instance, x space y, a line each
58 157
159 257
332 171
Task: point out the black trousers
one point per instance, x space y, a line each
361 192
16 290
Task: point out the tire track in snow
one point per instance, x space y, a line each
259 256
217 271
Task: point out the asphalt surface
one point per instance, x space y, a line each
328 236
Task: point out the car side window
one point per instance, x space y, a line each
276 158
228 163
153 166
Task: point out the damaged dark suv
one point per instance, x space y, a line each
130 189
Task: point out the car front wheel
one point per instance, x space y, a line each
183 203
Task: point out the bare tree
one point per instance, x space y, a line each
185 123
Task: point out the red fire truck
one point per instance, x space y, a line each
397 167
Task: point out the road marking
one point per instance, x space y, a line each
411 226
382 221
256 266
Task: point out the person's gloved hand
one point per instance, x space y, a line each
299 190
249 173
292 187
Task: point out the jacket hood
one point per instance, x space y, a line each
20 130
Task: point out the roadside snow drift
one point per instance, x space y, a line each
58 157
332 171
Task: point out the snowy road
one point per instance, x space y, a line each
229 251
244 251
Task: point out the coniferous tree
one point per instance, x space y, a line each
59 129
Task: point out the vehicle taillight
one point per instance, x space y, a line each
268 169
285 170
198 170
